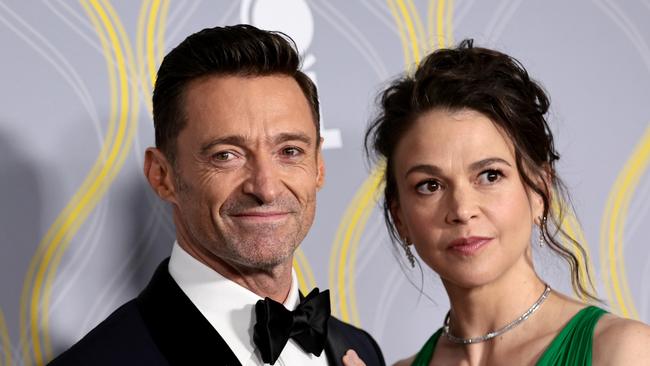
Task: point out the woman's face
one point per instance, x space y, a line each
461 201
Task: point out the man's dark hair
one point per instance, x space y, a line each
499 87
240 50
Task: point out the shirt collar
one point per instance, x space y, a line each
227 306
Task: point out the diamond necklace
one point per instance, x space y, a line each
498 332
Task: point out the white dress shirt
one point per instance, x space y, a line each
230 309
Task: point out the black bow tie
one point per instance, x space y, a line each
307 325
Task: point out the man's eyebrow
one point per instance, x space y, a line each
291 136
238 140
481 164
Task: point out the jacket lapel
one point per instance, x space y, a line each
336 345
178 328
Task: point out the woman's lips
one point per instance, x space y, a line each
469 245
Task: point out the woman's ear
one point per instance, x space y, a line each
398 219
544 181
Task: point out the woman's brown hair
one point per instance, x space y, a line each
498 86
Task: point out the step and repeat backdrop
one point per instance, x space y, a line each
80 231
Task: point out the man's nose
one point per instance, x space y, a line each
263 182
462 204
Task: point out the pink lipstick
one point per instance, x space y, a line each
469 245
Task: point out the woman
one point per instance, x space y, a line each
470 177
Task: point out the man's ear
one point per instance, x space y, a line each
159 174
320 165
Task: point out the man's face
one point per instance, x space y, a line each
247 171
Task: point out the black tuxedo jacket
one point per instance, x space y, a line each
162 327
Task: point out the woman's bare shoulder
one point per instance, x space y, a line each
405 362
620 341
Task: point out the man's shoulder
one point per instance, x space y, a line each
344 336
348 330
122 338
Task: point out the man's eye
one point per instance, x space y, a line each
428 187
223 156
291 151
490 176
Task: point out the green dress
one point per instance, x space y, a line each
572 346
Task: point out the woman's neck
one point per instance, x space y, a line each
479 310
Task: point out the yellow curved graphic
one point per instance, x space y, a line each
302 285
46 242
400 27
440 14
140 46
304 273
151 55
410 28
121 130
612 229
336 278
421 34
160 31
124 137
343 255
344 249
5 341
150 44
129 114
449 16
572 227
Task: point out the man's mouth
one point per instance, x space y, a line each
260 216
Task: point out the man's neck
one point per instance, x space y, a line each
274 282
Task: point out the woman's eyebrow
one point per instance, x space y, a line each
481 164
424 168
435 170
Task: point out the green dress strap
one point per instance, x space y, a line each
426 353
573 345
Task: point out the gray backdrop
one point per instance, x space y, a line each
80 232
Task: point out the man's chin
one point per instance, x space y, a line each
266 257
264 264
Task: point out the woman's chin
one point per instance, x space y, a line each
471 279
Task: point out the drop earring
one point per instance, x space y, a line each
542 223
409 254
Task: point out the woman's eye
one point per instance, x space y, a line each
490 176
428 187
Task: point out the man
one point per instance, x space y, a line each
238 156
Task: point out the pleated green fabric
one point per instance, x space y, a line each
574 343
572 346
